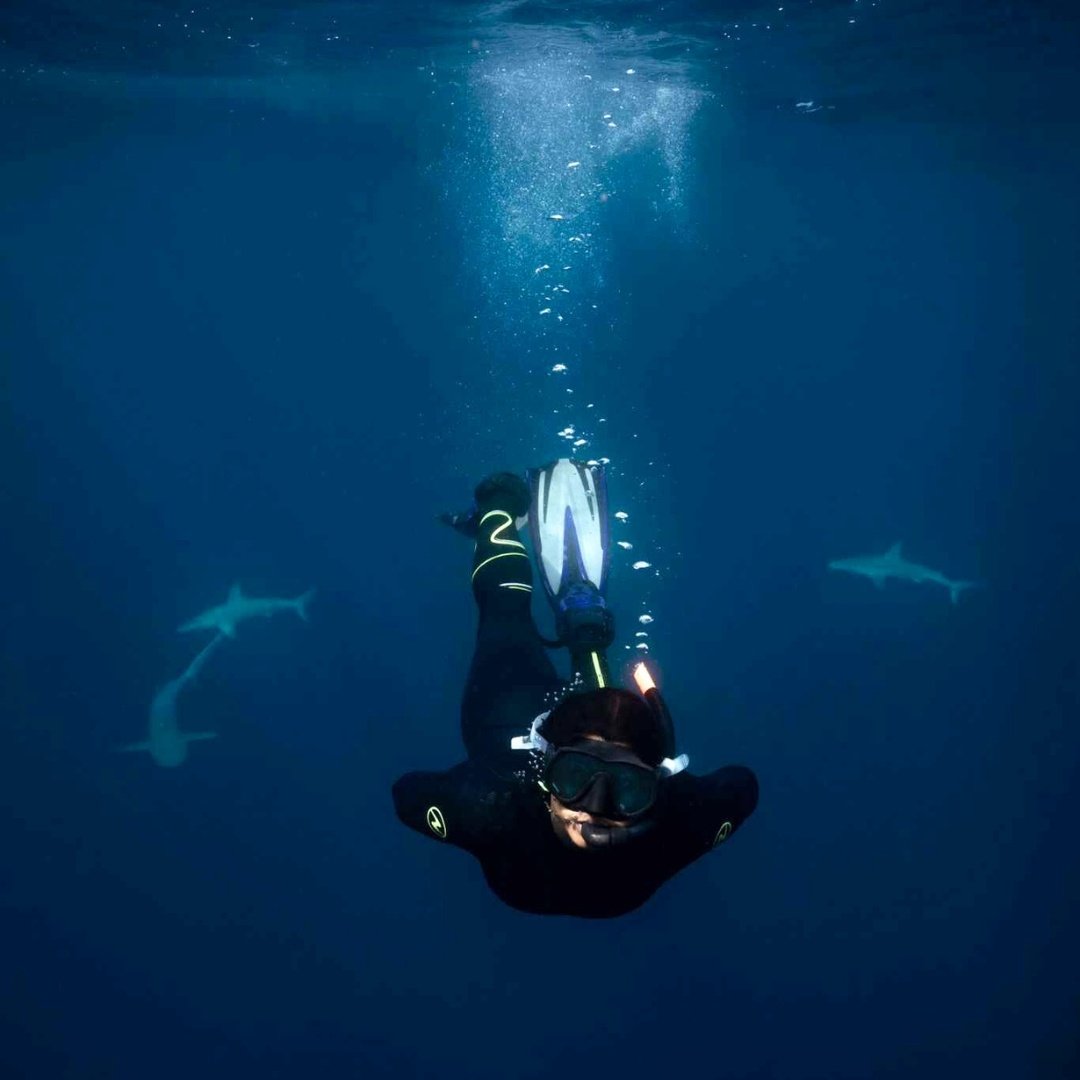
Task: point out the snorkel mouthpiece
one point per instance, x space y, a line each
605 836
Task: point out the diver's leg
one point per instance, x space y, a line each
511 679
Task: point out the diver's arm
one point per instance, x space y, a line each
708 809
457 806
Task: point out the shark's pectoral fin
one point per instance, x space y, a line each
198 736
133 748
878 580
235 593
228 629
895 551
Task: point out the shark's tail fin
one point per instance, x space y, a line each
957 587
302 604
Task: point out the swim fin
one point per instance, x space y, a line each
569 525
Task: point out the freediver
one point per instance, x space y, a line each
586 810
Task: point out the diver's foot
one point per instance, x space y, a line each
466 522
583 619
500 491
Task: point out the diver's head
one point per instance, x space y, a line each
602 769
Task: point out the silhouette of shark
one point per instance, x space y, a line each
892 564
165 742
238 607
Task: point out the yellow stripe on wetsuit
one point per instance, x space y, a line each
598 669
497 538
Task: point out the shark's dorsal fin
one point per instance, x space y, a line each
235 593
894 552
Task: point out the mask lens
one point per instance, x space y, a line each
633 788
630 789
570 774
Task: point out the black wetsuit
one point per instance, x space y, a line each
491 805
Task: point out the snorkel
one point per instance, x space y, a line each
647 688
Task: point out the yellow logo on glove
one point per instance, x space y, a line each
722 833
436 822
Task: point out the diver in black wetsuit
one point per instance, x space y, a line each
581 808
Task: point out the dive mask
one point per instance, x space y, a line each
602 779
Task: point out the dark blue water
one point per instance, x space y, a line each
270 301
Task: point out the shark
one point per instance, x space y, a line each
238 608
892 564
165 742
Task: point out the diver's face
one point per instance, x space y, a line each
567 823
